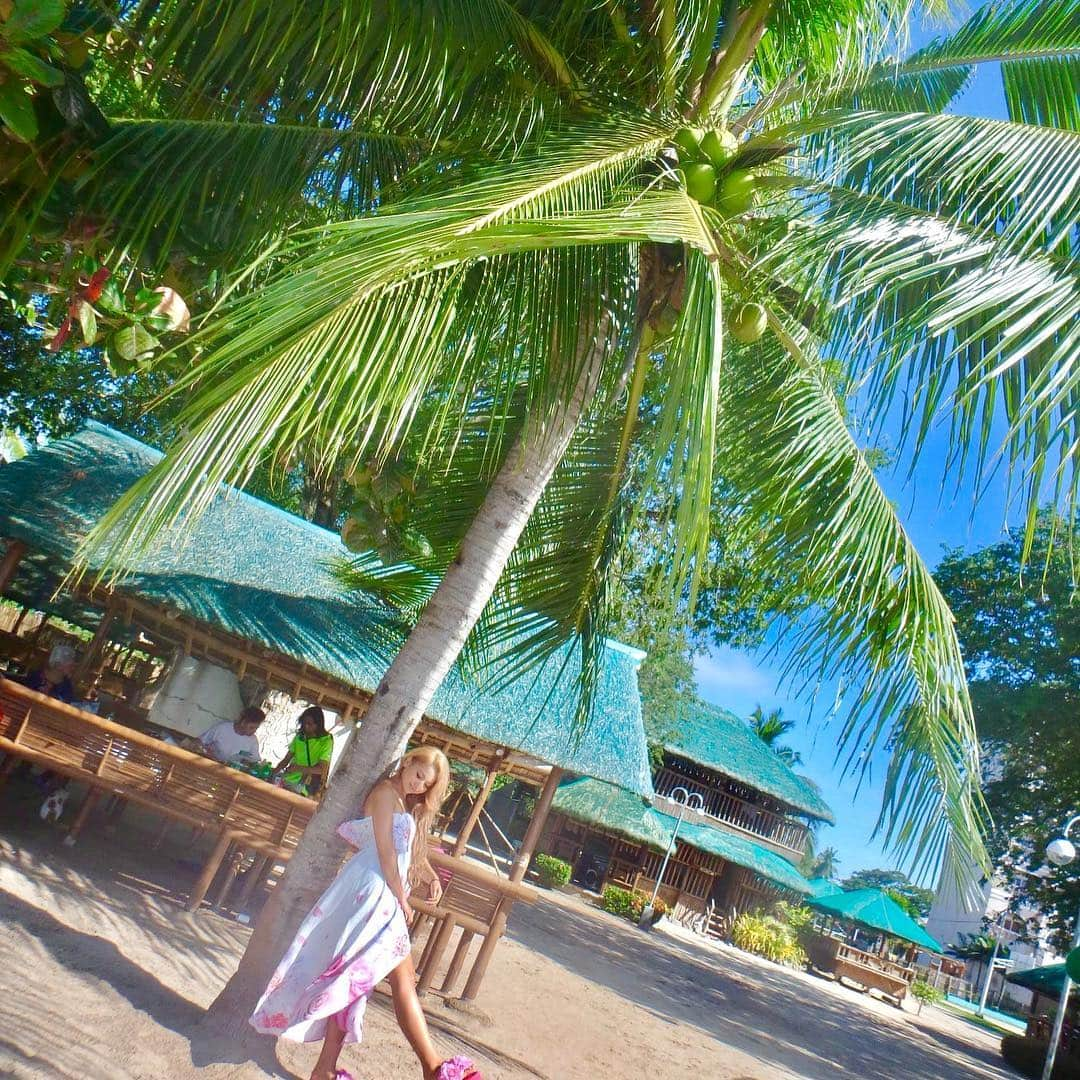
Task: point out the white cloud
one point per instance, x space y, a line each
725 675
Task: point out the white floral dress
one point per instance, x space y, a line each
352 938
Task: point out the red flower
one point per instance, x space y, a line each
96 284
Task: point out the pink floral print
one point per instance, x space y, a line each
354 936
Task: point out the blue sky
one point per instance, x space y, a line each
937 517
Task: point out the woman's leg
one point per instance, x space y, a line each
410 1016
326 1066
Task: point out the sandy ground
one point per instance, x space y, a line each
103 975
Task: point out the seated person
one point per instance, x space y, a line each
55 678
236 739
309 753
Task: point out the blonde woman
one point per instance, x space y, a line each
357 933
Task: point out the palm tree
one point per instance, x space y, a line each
826 863
489 229
771 726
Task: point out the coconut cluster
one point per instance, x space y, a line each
704 167
705 159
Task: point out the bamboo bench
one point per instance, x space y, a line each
846 962
477 902
165 779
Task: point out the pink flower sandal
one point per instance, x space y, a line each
458 1068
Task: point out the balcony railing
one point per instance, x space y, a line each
742 815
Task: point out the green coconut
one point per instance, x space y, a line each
700 180
719 146
737 194
687 141
748 323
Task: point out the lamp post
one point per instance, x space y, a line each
686 801
1061 852
998 927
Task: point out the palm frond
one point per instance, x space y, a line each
1020 35
1014 182
424 67
300 359
234 185
877 620
916 304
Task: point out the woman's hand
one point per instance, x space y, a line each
407 911
435 890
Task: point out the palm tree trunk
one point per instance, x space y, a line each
411 681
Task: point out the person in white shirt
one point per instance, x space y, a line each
226 740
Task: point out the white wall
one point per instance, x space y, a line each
195 696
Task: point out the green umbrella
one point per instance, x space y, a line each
1047 980
878 911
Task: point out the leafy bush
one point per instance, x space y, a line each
925 994
1029 1056
630 905
617 901
770 937
554 873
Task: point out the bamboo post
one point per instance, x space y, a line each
234 859
13 555
433 952
97 642
487 948
458 960
474 813
210 868
536 825
252 879
92 798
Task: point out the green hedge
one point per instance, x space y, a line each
1029 1056
554 873
630 905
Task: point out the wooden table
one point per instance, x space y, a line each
165 779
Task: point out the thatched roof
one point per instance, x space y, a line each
263 575
613 809
719 740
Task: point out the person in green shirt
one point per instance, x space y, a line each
309 753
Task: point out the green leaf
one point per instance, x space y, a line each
31 67
17 111
133 343
112 299
33 19
88 322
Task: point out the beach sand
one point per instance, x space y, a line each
104 975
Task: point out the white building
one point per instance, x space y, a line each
984 909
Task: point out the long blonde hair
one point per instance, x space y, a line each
424 807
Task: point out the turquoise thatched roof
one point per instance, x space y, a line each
593 802
734 848
619 811
875 910
252 570
719 740
820 886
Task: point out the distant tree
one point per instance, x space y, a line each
977 947
1020 633
914 899
769 727
826 864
